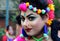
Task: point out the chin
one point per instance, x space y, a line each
31 34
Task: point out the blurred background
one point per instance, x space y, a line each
9 11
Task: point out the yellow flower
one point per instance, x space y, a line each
27 4
51 6
38 11
49 22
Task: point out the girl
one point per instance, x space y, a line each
36 18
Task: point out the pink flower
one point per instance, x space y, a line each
51 15
23 7
50 1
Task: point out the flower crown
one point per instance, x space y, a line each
50 10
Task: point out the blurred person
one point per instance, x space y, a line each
18 25
4 37
9 33
55 30
55 27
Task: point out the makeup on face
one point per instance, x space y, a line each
24 14
28 29
30 17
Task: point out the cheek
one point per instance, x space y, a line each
21 23
37 23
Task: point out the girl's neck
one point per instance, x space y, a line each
40 34
37 36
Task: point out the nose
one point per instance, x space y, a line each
26 23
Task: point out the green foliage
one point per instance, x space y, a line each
57 4
2 31
57 8
16 3
13 17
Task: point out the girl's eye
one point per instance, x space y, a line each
22 18
31 18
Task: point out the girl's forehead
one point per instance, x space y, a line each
28 12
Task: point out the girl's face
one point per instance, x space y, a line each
32 22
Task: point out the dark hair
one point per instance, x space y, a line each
18 19
39 4
7 28
54 30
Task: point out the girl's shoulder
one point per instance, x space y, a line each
19 38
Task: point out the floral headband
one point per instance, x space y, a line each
50 10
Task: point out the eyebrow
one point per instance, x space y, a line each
30 15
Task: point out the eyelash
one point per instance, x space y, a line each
31 18
22 18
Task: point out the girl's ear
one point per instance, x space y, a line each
46 17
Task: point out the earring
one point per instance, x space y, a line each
45 32
45 29
24 33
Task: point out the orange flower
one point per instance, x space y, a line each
49 22
27 4
39 11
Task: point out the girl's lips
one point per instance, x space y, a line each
28 29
